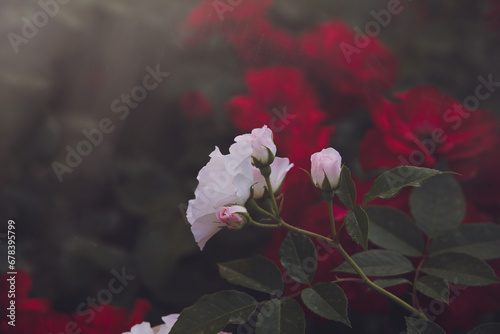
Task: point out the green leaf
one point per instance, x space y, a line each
434 287
420 326
391 281
346 191
298 257
211 313
378 263
257 273
489 328
439 206
394 230
356 224
458 268
327 300
479 240
390 183
283 316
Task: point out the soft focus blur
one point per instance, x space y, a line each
108 110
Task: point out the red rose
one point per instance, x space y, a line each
354 76
423 126
281 98
36 316
111 319
245 26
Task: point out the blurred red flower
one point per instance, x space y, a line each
196 105
426 125
352 71
281 98
37 316
245 26
111 319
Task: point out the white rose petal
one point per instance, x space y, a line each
279 168
261 141
226 179
143 328
170 320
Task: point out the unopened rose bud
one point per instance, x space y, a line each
261 141
325 169
234 217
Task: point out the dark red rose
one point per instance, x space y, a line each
260 43
208 14
245 26
281 98
351 73
32 315
423 126
36 316
110 319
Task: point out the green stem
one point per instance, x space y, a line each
265 225
344 254
265 213
361 274
332 219
375 287
271 193
304 232
416 303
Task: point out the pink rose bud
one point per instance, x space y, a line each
325 169
261 141
232 216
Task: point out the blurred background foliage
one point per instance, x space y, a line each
124 205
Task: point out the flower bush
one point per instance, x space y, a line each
281 87
447 256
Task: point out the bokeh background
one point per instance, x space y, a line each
123 205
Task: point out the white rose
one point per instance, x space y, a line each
143 328
326 163
261 141
225 180
279 168
170 321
